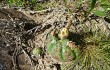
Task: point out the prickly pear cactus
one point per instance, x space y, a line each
59 49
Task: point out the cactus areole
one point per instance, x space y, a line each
58 48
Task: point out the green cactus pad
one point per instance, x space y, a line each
67 53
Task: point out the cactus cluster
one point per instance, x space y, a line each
59 46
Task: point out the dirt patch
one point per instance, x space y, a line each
13 39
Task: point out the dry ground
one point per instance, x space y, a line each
20 32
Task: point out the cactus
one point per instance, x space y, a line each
58 48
